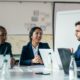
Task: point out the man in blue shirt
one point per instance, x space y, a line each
77 33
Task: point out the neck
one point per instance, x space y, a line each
34 44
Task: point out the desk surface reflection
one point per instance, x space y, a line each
28 73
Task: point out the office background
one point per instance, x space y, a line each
18 20
20 17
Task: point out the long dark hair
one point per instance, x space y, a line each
31 32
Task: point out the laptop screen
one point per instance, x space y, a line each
46 57
65 56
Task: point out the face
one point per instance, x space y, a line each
2 37
77 32
37 35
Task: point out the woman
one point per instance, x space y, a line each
30 52
5 47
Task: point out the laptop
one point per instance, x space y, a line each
65 56
46 57
4 58
1 61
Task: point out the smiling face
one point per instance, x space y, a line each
77 32
37 36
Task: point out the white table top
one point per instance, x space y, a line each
28 73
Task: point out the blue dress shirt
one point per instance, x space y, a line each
77 56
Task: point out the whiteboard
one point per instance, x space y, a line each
65 29
20 17
66 14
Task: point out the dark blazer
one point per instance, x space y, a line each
27 53
5 48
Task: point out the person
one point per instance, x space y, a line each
5 47
77 33
30 53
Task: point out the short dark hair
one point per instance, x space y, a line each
32 30
77 23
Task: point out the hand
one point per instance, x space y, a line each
37 59
71 49
12 62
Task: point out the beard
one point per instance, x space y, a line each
78 39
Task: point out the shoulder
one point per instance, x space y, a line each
27 45
7 44
43 45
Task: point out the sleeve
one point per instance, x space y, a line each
9 49
44 46
77 54
78 63
47 45
24 57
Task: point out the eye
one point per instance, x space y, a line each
37 33
77 30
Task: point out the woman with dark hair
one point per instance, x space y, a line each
5 47
30 53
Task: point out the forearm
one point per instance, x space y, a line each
25 62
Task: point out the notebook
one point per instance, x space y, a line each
65 56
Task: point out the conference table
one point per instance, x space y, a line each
31 73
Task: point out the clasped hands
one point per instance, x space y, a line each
37 59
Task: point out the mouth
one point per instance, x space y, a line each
39 39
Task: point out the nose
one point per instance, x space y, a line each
39 35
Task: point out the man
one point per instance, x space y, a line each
77 33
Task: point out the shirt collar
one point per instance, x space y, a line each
35 50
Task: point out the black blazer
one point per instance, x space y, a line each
27 53
5 48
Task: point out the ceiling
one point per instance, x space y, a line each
43 0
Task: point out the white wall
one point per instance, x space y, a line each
19 18
66 14
65 29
